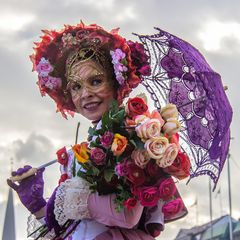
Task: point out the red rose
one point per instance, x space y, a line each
136 106
130 203
180 167
63 178
135 174
149 196
167 189
62 156
172 208
154 170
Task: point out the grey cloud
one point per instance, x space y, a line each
36 148
230 45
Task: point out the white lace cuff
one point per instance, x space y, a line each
71 200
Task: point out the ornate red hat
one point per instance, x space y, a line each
128 60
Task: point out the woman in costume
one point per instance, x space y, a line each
83 68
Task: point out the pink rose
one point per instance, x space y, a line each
150 128
106 139
171 127
167 189
130 203
172 208
121 169
149 196
98 156
44 67
140 157
53 83
156 147
50 82
140 118
168 156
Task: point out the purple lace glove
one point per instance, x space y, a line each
30 190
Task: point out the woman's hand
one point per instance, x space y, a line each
29 190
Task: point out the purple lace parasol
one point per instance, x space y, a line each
180 75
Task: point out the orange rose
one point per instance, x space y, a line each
119 144
81 152
157 115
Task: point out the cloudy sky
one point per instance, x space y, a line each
31 131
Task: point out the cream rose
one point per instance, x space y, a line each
140 118
156 147
150 128
168 156
169 111
140 157
171 127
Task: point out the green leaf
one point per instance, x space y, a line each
81 174
95 170
91 131
124 62
133 143
140 144
113 108
105 121
108 174
119 116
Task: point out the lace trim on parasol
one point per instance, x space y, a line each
71 200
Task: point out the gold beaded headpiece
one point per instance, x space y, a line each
83 55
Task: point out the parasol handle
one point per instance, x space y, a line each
31 172
27 174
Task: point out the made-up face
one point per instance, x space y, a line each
91 89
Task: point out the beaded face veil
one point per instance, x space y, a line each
101 76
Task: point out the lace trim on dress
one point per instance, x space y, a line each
71 200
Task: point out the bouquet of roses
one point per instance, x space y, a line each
134 153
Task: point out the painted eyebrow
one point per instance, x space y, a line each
95 76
